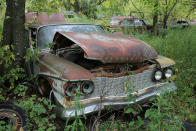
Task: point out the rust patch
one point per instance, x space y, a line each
164 61
122 98
141 70
55 65
44 18
110 48
102 73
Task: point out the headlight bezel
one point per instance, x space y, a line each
154 75
163 76
165 70
85 91
70 89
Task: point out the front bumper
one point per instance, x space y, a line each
99 103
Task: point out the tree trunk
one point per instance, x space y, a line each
69 5
14 30
19 37
165 21
76 6
155 18
7 27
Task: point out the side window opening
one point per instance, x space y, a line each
127 23
138 22
33 33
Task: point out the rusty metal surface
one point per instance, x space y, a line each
164 61
123 17
117 102
102 73
118 19
112 87
55 66
44 18
111 48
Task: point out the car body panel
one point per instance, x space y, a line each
51 64
38 19
111 48
128 24
164 61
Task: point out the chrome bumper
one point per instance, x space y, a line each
96 104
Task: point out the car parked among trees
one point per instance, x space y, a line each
99 69
130 24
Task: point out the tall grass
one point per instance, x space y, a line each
179 45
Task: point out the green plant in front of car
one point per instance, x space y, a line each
132 109
31 55
39 112
77 124
160 115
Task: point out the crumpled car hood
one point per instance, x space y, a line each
111 48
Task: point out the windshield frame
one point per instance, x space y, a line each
40 27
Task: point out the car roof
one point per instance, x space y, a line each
42 25
122 17
36 20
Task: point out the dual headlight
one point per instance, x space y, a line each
86 87
165 74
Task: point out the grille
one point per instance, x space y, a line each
105 86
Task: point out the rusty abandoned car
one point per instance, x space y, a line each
102 67
129 24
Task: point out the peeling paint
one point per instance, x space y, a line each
110 48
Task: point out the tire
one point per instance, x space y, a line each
9 111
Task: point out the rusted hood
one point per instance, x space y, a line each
111 48
55 66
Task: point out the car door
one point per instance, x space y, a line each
127 26
139 25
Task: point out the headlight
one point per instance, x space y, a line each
70 90
168 73
87 87
158 75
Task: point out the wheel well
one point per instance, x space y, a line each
44 86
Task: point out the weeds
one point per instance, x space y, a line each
39 112
171 109
77 124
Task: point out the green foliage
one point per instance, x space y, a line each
20 90
39 112
43 5
77 124
4 126
12 83
9 75
164 109
180 46
31 55
168 110
1 28
81 19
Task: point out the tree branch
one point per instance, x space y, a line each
100 2
141 14
171 9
